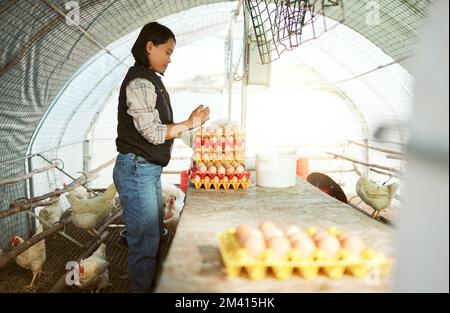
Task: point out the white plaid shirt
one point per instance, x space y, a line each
141 102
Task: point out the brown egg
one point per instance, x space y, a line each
329 245
266 226
353 244
343 236
255 246
221 170
279 245
241 230
304 244
271 233
246 235
320 235
230 169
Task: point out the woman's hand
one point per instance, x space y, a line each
198 117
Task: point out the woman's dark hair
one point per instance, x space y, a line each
154 32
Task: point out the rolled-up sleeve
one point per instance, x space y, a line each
141 102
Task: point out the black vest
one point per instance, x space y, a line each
128 138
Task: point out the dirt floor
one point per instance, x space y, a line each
59 251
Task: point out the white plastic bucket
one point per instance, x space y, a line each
276 169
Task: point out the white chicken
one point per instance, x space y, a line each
172 212
376 196
80 192
33 258
173 202
169 189
93 271
51 214
86 212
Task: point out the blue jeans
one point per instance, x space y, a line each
138 183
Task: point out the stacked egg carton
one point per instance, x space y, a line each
219 174
219 144
218 159
331 252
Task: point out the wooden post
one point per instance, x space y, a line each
23 205
29 175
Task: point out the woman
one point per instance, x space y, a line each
146 132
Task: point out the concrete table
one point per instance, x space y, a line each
194 263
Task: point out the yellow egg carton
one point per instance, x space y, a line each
237 260
221 184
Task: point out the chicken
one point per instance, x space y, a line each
173 202
376 196
51 214
168 190
93 271
172 212
33 258
79 192
86 213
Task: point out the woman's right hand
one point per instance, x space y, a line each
199 116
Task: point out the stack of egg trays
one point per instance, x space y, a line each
226 185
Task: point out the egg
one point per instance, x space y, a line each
225 179
230 169
304 244
291 229
343 236
246 234
203 169
206 179
206 156
239 169
216 179
279 245
241 230
197 178
329 245
221 170
271 233
197 156
354 244
197 140
266 226
235 180
255 246
212 169
320 235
